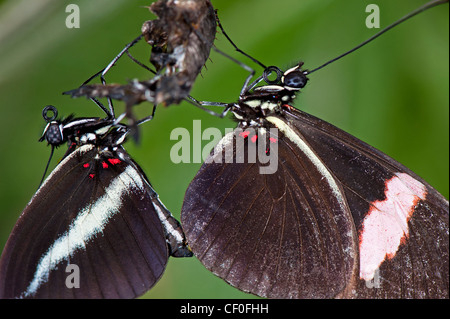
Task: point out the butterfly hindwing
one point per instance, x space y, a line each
413 255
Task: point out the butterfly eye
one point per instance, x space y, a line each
53 135
295 80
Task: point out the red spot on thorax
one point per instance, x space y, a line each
288 106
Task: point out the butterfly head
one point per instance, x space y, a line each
53 132
266 99
294 79
81 131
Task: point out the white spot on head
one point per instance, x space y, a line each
295 68
386 223
269 88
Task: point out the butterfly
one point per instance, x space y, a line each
95 228
289 206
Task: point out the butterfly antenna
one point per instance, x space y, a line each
46 167
408 16
235 46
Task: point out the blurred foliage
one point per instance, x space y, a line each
392 93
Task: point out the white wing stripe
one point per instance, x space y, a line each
90 221
295 138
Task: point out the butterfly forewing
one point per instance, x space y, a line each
412 247
95 211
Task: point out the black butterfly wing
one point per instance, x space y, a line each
337 219
94 212
281 235
402 222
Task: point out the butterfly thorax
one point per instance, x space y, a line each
272 99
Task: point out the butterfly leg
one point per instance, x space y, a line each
103 72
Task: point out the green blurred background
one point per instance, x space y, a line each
392 93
